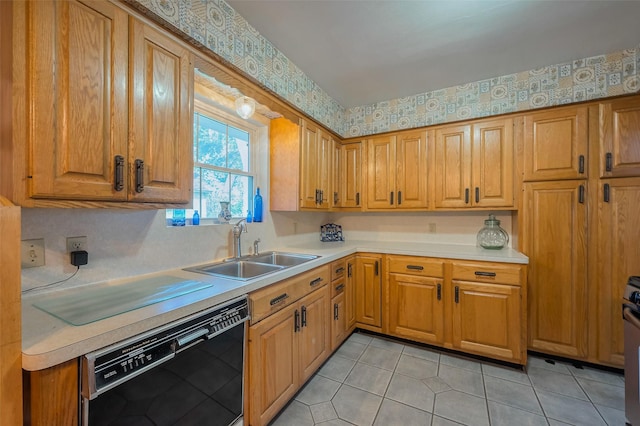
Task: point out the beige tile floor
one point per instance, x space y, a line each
376 381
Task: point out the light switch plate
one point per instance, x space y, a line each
32 253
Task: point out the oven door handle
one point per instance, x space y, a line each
627 313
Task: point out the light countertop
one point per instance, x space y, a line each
47 340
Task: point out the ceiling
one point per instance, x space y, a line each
365 51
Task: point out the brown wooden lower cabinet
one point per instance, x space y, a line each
52 395
368 289
285 349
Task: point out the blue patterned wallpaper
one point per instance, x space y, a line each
216 25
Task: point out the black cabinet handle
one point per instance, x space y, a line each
376 268
485 274
119 173
477 194
399 197
335 311
339 287
278 299
466 195
335 197
339 270
321 196
304 316
139 175
457 296
581 164
296 325
357 198
439 291
581 194
415 267
349 270
608 162
606 191
391 198
315 282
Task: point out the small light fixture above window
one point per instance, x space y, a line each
245 106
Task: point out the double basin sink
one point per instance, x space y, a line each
249 267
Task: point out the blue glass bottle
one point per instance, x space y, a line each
195 220
257 206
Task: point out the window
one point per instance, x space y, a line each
223 169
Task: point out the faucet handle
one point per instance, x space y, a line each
255 247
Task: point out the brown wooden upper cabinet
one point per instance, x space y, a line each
397 171
620 137
474 165
347 176
85 64
555 144
315 161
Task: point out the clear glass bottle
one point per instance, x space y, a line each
225 214
492 236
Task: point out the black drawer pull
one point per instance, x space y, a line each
391 198
315 282
485 274
439 291
119 173
608 162
278 299
139 175
415 267
376 268
606 190
349 270
457 294
477 194
335 311
304 316
581 164
296 324
399 197
581 194
339 270
466 195
357 198
339 287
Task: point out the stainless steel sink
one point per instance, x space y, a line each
249 267
241 269
283 259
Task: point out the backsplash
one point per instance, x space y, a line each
216 25
123 243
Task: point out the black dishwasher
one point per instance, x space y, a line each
189 372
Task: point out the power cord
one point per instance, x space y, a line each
52 284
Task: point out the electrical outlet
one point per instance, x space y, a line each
432 228
32 253
76 244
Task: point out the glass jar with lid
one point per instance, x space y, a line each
492 236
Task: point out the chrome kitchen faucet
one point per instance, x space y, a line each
237 230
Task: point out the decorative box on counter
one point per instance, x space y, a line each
331 232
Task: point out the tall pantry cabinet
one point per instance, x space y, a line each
580 225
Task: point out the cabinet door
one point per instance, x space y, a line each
350 180
162 118
618 258
620 137
554 238
411 170
314 339
381 172
555 144
77 98
273 365
350 293
492 163
338 321
325 151
309 195
486 319
337 164
453 166
368 290
415 308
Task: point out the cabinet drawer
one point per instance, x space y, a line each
337 286
422 266
338 269
487 272
268 300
